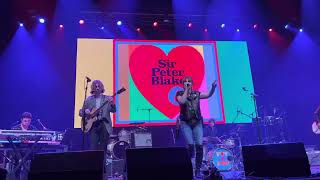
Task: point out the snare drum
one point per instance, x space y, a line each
118 149
221 158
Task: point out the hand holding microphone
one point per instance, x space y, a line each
187 86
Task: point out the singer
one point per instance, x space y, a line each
101 129
25 123
191 120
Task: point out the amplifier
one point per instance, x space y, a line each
142 139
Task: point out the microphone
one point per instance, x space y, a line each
43 127
244 89
88 79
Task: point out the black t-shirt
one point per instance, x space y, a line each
211 132
190 110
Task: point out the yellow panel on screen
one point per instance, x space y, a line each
95 60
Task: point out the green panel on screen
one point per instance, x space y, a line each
235 73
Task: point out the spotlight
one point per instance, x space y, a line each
41 20
301 30
119 23
21 24
61 26
205 30
286 26
138 29
223 25
270 29
81 21
155 24
189 25
238 30
255 26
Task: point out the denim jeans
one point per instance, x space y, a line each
192 135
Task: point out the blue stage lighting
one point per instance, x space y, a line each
119 23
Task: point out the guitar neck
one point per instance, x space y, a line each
103 104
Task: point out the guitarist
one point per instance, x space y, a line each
102 128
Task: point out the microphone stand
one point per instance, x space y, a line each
149 112
254 98
83 112
257 119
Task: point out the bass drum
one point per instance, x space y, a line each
221 158
118 149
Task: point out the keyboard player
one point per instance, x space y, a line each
25 123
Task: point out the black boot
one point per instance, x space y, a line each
191 150
199 156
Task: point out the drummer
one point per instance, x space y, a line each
210 136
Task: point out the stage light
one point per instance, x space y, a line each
61 26
189 25
205 30
255 26
155 24
238 30
138 29
21 24
81 21
286 26
41 20
119 23
301 30
270 29
223 25
102 28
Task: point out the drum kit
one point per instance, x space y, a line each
273 125
223 154
117 145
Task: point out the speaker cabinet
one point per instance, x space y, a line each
81 165
276 160
159 163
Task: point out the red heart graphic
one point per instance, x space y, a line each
147 60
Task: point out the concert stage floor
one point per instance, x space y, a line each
232 175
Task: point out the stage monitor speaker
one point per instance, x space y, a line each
276 160
159 163
81 165
3 174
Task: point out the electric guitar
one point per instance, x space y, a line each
92 116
